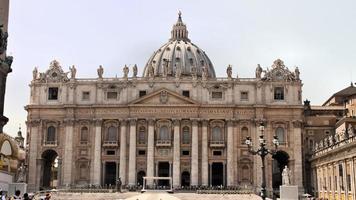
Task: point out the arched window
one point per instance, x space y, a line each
51 134
186 135
163 133
112 134
244 134
280 135
84 134
217 135
142 135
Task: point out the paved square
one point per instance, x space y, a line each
151 196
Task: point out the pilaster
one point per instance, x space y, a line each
176 153
96 164
204 156
132 153
150 151
122 169
230 154
68 152
195 153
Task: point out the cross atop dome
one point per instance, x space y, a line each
179 31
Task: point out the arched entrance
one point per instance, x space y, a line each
280 160
185 179
217 174
140 176
50 169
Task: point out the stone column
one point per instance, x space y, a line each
353 189
68 152
35 135
176 153
298 166
150 151
346 189
195 153
210 175
338 180
132 153
122 170
59 175
96 166
204 154
230 154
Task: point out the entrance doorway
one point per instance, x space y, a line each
217 174
280 160
110 173
163 171
185 179
50 169
140 176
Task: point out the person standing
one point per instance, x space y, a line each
16 195
2 195
118 185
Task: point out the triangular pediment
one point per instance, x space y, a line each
164 97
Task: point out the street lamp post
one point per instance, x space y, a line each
262 151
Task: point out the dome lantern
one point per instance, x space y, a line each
179 31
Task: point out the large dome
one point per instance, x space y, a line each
179 55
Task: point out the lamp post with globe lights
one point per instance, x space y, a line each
262 151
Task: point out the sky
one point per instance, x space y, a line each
318 36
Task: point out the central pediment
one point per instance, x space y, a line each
163 97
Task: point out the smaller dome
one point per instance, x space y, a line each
179 54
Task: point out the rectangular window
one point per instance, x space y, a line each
216 95
111 95
53 93
185 153
110 152
278 93
217 153
141 152
142 93
244 96
186 93
85 96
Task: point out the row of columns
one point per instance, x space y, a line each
95 171
324 176
176 153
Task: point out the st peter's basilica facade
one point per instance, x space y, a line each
178 120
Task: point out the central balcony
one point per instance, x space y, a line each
163 143
217 143
110 144
50 143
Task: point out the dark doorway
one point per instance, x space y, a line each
217 174
163 171
140 176
280 160
110 173
185 179
50 169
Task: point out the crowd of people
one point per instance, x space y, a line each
25 196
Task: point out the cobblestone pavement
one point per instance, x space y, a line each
151 196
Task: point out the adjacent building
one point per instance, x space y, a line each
177 120
330 146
